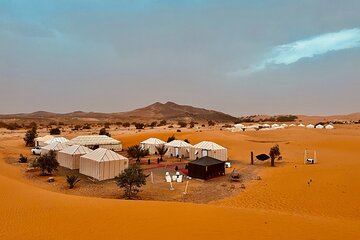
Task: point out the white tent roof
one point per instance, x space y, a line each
154 141
275 125
102 154
56 146
319 126
208 145
178 143
76 149
266 125
239 125
292 125
45 138
329 126
56 139
284 125
301 125
93 140
310 126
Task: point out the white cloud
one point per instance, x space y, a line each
308 48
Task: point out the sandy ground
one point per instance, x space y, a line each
280 206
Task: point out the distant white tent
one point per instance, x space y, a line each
239 125
310 126
284 125
329 126
97 141
70 157
56 139
151 145
319 126
301 125
178 148
103 164
55 146
275 125
211 149
265 125
292 125
40 141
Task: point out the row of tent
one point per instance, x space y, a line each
180 148
101 164
278 126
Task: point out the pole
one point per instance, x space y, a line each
186 187
252 158
171 187
152 177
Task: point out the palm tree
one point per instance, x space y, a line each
161 150
72 180
137 152
274 153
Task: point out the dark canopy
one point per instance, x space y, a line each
206 167
262 157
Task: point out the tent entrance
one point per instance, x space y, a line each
204 153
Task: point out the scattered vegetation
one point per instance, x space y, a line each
153 124
131 181
211 123
72 180
48 163
186 140
126 124
107 125
139 125
162 123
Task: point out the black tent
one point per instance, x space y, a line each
206 167
262 157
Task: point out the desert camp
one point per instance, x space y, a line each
70 156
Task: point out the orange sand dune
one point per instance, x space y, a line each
280 206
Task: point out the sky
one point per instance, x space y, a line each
236 56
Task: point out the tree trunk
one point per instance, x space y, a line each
273 162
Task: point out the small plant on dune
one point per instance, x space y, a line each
48 163
55 131
172 138
72 180
23 159
131 181
161 151
274 153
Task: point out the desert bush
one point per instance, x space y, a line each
86 126
162 123
131 180
48 163
126 124
55 131
178 130
23 159
139 125
211 123
153 124
161 150
274 153
30 136
103 131
107 125
186 140
182 124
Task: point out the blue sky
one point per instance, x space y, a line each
240 57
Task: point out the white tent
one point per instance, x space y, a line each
284 125
103 164
292 125
319 126
310 126
97 141
40 141
239 125
329 126
266 125
178 148
301 125
275 125
70 157
55 146
210 149
151 145
56 139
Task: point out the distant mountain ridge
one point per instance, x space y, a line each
156 111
